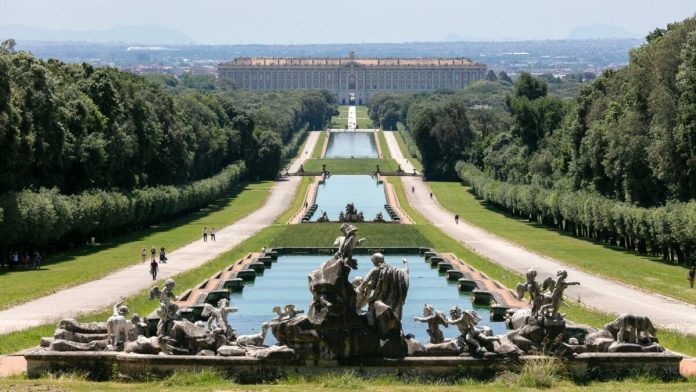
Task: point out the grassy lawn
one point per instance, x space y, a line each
91 262
386 154
341 381
614 263
319 147
404 150
377 234
351 165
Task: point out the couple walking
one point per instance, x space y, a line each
212 234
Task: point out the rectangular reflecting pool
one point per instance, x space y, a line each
363 191
351 145
286 283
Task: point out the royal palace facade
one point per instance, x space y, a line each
353 80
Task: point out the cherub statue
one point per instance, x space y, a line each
166 295
555 300
435 319
117 327
168 311
138 328
219 316
471 336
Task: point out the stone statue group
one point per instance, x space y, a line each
358 318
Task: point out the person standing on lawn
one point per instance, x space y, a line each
691 275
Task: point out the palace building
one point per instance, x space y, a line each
353 80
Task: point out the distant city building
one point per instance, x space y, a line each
353 80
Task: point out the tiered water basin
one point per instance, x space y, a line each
351 145
286 283
365 192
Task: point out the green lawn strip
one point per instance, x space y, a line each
351 165
376 234
335 381
575 311
386 154
404 151
319 147
297 201
92 262
363 123
648 273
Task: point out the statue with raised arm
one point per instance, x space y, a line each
435 319
555 300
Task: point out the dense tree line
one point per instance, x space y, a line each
72 134
668 231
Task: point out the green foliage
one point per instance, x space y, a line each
536 373
40 218
530 87
669 231
442 134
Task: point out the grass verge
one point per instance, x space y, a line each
351 165
87 263
386 154
319 147
297 201
648 273
533 378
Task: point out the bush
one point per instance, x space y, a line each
44 217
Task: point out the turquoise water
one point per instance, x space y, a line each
351 145
363 191
286 283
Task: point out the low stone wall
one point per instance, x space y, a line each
103 366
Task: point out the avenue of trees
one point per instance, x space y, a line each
87 151
617 163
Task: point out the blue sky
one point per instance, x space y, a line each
326 21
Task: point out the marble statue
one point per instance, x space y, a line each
386 283
472 337
117 326
554 301
435 319
219 316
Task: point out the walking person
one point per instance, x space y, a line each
691 275
205 234
212 234
163 255
143 254
431 195
36 260
413 189
153 251
154 267
456 219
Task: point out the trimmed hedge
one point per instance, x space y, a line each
669 230
38 218
410 143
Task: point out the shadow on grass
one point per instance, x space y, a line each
137 235
562 233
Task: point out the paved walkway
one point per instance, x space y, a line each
352 118
102 293
596 292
